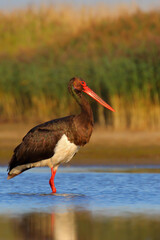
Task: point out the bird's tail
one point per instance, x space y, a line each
16 171
13 168
12 175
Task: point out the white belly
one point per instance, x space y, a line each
63 151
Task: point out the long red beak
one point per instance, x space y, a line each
97 98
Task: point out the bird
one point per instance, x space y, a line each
55 142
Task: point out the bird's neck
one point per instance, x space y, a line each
86 113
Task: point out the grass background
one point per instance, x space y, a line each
117 54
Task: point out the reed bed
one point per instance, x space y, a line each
117 53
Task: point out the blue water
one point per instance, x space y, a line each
100 190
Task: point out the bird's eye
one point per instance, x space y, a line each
83 83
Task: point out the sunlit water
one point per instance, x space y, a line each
125 198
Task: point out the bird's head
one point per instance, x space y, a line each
79 86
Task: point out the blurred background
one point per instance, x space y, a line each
113 45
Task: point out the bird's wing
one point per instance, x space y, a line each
39 143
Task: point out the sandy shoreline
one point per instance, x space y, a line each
105 146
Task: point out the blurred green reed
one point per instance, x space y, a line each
118 56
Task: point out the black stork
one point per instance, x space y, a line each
56 141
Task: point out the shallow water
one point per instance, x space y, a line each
91 203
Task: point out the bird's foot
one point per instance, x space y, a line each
51 182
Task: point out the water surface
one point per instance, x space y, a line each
91 203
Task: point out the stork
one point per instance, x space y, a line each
57 141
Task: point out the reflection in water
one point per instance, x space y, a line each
63 226
72 225
58 226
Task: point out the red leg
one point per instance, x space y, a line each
51 181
